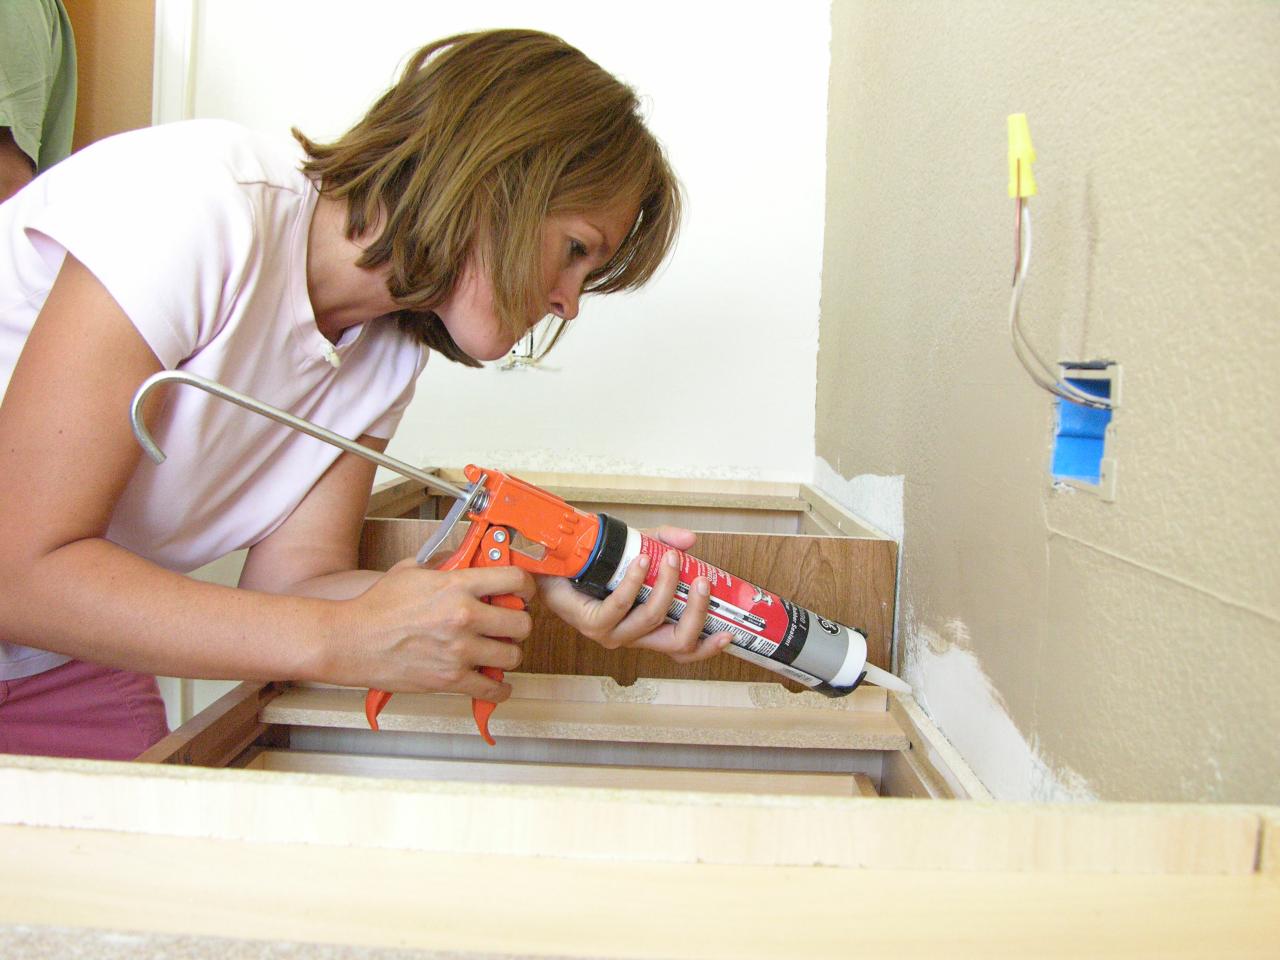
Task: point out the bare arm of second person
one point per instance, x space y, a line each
66 454
16 168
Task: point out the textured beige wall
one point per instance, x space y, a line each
1134 646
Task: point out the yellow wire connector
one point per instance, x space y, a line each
1022 182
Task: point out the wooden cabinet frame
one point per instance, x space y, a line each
626 812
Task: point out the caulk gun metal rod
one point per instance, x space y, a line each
272 413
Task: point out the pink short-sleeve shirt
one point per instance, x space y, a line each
199 232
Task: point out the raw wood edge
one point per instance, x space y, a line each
899 778
619 721
652 487
1269 845
582 822
219 733
666 691
827 509
679 779
393 498
939 765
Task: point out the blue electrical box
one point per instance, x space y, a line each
1080 441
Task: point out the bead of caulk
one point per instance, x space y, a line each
331 355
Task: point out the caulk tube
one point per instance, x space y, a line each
767 630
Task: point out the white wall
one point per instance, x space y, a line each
711 370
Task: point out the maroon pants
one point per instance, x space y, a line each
81 710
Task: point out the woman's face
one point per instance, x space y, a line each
573 245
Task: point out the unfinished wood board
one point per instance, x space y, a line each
827 512
679 491
687 756
502 905
578 720
668 692
396 498
863 786
645 516
1269 850
931 761
845 579
568 775
219 733
582 823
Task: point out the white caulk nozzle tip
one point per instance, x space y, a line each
883 678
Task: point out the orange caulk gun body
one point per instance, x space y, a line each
500 506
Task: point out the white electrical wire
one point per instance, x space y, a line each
1039 370
531 348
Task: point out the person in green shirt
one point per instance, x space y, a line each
37 90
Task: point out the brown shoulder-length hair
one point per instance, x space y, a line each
483 135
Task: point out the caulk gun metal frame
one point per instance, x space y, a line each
280 416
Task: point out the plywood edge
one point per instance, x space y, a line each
814 508
604 489
566 774
932 758
220 732
900 777
660 826
600 485
863 786
393 498
1269 844
827 510
617 721
677 692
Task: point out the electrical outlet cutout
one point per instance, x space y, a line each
1083 456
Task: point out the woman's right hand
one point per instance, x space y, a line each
420 630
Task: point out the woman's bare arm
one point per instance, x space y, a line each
67 452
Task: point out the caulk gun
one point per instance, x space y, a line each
593 551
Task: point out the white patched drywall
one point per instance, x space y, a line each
944 673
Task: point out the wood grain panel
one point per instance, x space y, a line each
619 721
845 579
220 733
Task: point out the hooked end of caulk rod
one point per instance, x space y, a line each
135 416
279 416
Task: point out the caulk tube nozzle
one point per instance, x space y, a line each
856 669
883 678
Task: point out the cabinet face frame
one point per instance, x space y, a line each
796 543
786 537
708 736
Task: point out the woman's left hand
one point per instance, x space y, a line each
616 621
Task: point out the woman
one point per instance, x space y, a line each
501 177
